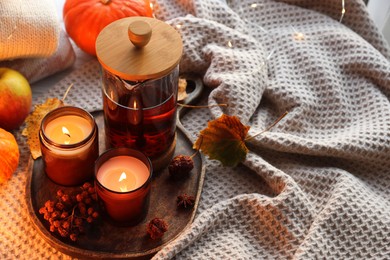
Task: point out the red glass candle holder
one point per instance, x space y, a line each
69 144
123 180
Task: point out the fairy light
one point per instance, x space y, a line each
180 25
270 55
342 10
152 8
12 33
230 45
18 21
298 36
255 28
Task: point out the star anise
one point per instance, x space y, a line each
156 228
185 201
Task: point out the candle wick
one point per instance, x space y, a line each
65 131
69 138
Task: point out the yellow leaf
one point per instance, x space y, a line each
182 89
33 124
224 139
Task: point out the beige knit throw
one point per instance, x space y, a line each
28 28
317 185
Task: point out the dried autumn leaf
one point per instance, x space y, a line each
182 93
224 139
33 124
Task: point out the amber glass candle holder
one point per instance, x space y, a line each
123 181
69 144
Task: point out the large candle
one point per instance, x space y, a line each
123 178
69 144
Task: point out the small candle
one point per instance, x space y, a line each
123 180
69 144
123 173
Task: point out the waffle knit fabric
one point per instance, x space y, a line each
317 185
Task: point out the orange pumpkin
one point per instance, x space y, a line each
9 155
84 19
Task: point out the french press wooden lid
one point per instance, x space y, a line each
139 48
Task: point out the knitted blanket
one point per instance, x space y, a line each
317 185
28 29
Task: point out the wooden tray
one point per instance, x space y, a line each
106 240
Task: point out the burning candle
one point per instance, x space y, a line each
123 173
68 129
123 178
69 144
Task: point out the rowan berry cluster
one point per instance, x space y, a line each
70 213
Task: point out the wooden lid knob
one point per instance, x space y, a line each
139 33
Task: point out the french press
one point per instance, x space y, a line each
139 57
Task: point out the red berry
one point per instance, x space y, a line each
78 221
56 214
86 185
79 197
60 193
62 232
60 206
52 228
83 210
56 223
65 198
66 225
64 215
73 237
94 196
46 216
90 211
42 210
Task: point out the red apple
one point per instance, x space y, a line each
15 99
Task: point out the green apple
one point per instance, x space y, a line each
15 99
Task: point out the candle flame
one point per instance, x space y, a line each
298 36
135 104
230 45
65 131
122 177
123 186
